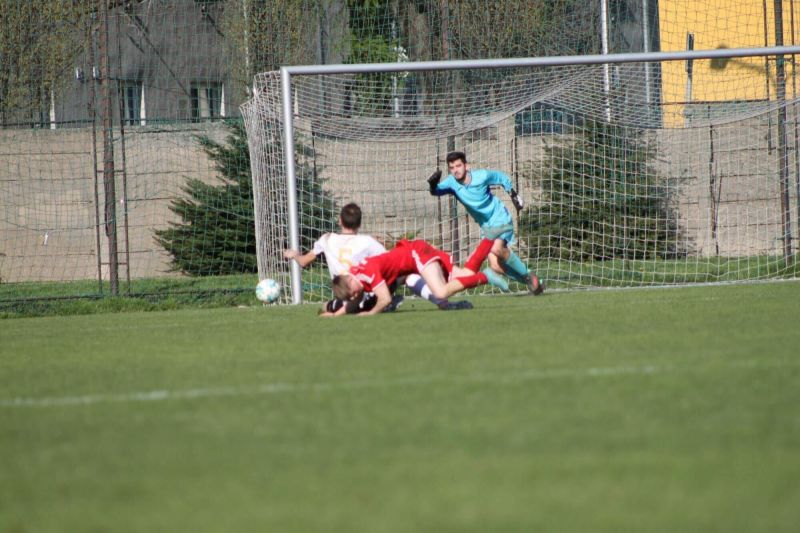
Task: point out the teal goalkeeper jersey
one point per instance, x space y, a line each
487 210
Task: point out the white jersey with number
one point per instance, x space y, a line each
345 250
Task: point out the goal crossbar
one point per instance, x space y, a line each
547 61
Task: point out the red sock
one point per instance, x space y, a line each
473 280
479 255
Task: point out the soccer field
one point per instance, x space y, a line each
632 410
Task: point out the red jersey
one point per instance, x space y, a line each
407 257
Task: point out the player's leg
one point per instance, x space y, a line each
494 264
432 264
477 258
493 271
480 254
515 269
435 265
463 279
433 276
500 249
469 277
436 284
420 288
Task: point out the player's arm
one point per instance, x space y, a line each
433 184
339 312
384 299
495 177
302 259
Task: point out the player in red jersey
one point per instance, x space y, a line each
377 273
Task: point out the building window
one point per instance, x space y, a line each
208 101
133 110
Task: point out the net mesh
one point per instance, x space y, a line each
621 188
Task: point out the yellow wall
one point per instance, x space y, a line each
716 24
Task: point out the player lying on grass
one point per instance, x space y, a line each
376 274
347 248
471 188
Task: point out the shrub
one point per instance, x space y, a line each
216 234
601 198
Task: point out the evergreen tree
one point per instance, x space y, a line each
216 235
601 199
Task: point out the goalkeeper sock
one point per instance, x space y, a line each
473 280
515 268
420 288
479 255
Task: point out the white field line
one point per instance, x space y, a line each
669 286
289 388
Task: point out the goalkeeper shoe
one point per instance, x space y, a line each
496 280
454 306
535 285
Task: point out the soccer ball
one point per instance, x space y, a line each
268 290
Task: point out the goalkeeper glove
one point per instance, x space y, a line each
433 181
516 200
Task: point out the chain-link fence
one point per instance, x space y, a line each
123 164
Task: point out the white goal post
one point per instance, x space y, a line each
625 184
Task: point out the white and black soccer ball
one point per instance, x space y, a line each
268 290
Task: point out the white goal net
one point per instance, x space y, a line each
633 173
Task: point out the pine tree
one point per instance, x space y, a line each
216 235
601 199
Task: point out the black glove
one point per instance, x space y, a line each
433 181
516 200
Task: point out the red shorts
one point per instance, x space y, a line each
423 254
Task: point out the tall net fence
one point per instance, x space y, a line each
621 189
124 168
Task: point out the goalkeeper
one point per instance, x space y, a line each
471 188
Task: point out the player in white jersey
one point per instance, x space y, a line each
343 250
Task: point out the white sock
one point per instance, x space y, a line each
417 284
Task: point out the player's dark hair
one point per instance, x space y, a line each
455 156
353 307
351 216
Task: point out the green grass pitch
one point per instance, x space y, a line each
606 411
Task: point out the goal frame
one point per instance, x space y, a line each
286 73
